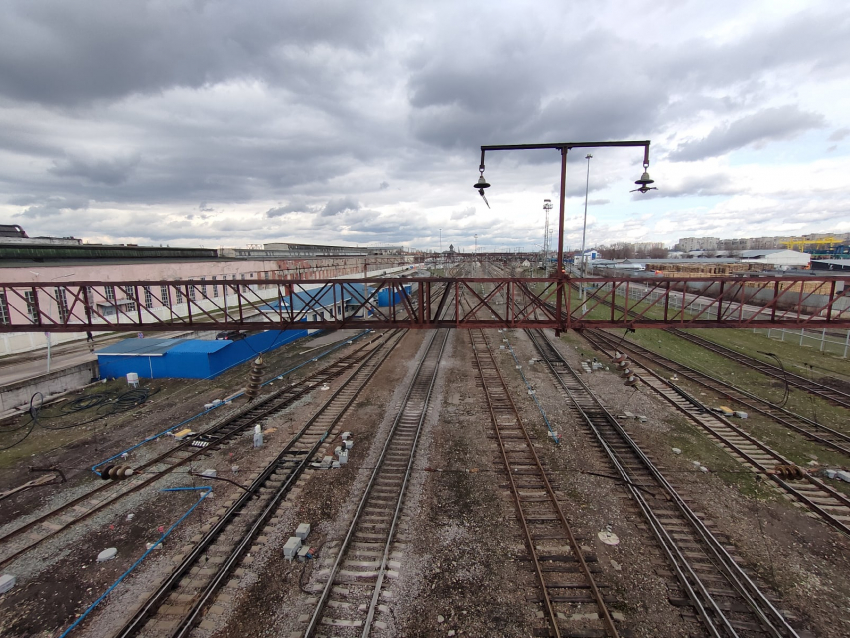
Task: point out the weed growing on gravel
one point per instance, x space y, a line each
696 446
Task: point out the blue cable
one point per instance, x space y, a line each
554 436
236 396
207 490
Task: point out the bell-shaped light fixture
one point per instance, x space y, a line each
645 181
480 185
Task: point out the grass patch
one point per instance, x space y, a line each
696 445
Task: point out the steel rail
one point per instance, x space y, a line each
839 442
434 351
219 434
695 409
596 594
369 364
826 392
770 617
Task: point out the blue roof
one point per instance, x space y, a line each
324 296
141 347
196 345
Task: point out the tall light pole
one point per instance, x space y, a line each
588 157
547 206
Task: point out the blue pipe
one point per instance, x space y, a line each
236 396
554 436
206 491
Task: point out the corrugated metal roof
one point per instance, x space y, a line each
141 347
196 345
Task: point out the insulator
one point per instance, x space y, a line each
116 472
255 379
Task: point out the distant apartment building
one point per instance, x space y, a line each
688 244
645 247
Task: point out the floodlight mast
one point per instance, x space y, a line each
564 148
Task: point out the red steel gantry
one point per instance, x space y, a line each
611 302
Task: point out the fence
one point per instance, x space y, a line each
831 341
835 342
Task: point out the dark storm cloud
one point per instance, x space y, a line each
311 105
607 87
52 207
342 205
109 172
767 125
60 53
292 207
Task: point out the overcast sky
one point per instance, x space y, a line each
223 123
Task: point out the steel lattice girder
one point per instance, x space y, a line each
610 302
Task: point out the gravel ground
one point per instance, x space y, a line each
464 567
801 560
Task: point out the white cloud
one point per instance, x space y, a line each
336 122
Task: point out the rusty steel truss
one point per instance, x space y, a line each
610 302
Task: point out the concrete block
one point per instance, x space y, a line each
7 581
290 549
303 531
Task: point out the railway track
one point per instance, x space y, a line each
179 602
810 492
348 600
562 568
723 596
25 537
830 394
834 396
821 434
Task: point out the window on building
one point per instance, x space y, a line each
4 310
243 276
215 287
163 292
32 305
109 291
203 288
128 291
148 297
178 293
192 293
268 275
61 304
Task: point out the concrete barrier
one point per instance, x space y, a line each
18 394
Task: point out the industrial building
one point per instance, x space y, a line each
64 260
187 358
